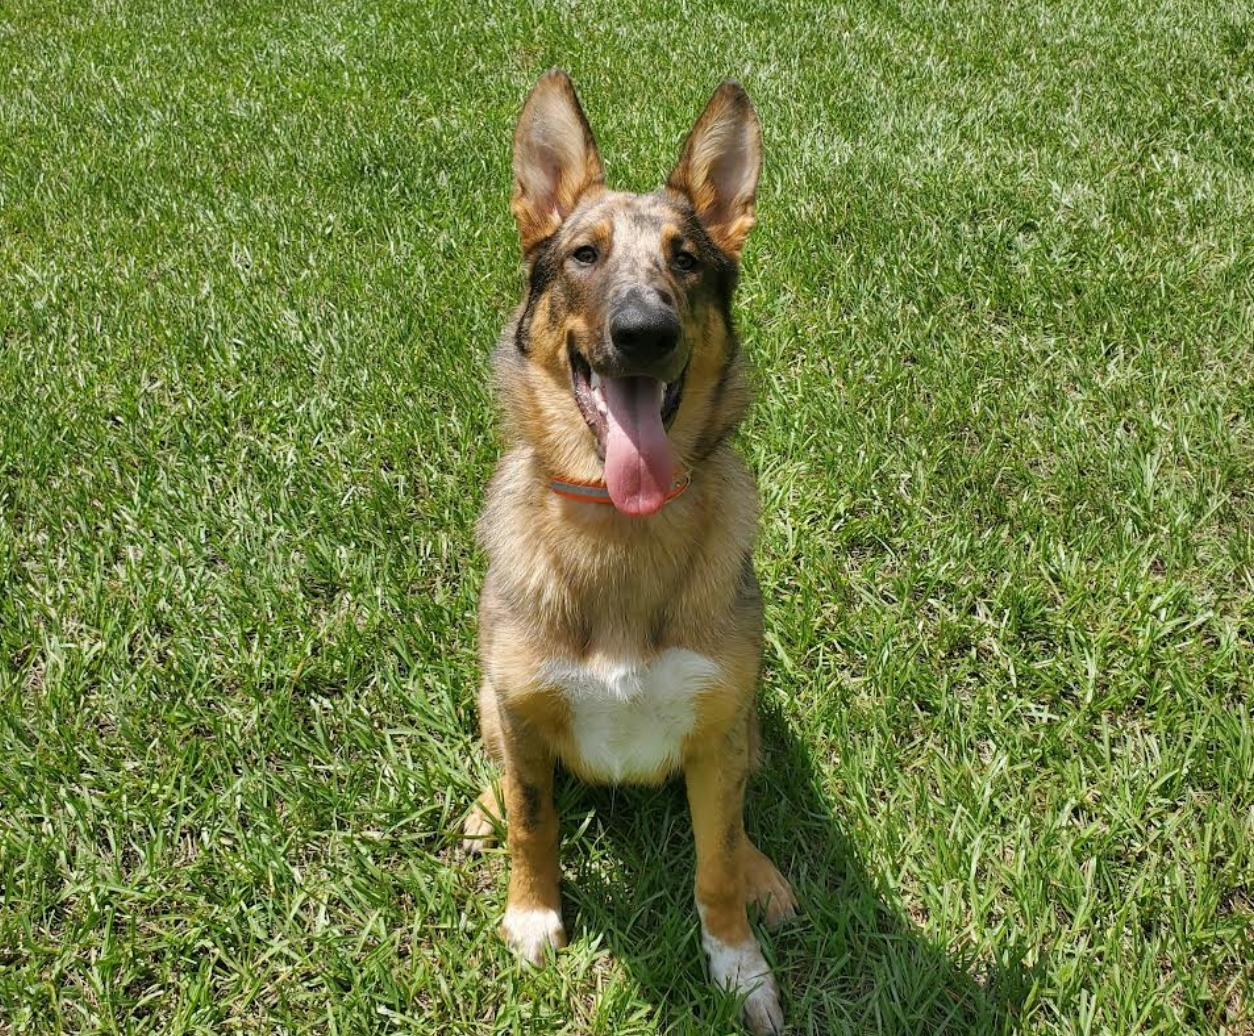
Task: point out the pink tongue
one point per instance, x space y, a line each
639 461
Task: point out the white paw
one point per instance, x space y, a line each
762 1012
743 970
532 933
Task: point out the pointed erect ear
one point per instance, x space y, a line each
718 168
555 158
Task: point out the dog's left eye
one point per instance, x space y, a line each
685 261
585 255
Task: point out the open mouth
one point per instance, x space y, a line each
629 417
589 388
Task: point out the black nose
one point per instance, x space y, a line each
644 331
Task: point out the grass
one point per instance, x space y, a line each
252 260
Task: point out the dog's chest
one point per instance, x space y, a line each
628 720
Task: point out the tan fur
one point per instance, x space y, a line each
555 159
722 195
570 580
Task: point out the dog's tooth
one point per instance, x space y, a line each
596 382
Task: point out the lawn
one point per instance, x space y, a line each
1000 303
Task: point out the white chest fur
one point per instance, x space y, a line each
629 720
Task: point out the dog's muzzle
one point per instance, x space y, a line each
644 333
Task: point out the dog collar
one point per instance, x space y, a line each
596 493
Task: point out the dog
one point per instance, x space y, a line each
620 622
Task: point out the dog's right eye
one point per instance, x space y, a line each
584 255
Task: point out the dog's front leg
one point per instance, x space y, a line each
716 790
533 913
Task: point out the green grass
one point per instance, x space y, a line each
252 261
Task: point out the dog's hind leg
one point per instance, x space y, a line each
766 887
485 819
487 816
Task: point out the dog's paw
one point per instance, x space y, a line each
532 933
766 887
763 1015
742 969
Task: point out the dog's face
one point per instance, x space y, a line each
624 345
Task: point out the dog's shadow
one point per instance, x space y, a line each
850 963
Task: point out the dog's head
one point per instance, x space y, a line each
622 364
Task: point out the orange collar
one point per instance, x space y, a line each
596 493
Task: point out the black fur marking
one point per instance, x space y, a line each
712 438
657 630
724 270
727 275
544 269
736 825
724 376
747 586
531 807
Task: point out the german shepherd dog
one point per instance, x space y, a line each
620 623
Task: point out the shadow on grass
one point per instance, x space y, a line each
851 963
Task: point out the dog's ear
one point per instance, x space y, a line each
719 165
555 158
